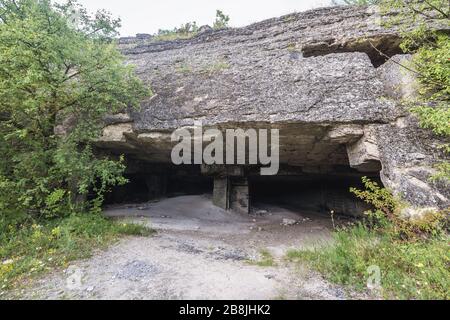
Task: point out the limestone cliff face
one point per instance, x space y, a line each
314 75
289 69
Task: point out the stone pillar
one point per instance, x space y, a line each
221 194
240 195
231 187
232 193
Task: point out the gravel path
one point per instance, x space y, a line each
189 258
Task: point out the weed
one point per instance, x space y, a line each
266 259
216 67
32 248
412 255
409 270
184 68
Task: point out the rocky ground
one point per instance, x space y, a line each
198 252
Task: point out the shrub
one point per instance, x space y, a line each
222 20
185 31
190 29
409 270
388 217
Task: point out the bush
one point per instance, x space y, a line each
387 214
412 255
190 29
409 270
222 20
185 31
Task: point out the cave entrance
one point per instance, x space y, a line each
293 189
155 182
242 190
318 166
309 193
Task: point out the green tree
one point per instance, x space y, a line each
222 20
57 65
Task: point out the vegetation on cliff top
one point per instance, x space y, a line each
190 29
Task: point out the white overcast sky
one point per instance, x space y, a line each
139 16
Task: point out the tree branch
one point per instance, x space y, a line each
411 7
446 15
402 65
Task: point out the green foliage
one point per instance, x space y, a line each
222 20
443 170
356 2
185 31
430 63
437 119
434 118
433 65
184 68
409 270
387 215
31 248
381 198
190 29
186 28
412 255
430 47
55 203
59 76
215 67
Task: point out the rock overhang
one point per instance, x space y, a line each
260 73
314 75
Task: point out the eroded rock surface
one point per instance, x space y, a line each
314 75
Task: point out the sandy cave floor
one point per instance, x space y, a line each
199 252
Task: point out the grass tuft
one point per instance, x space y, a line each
30 249
409 270
266 259
174 36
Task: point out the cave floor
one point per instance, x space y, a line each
200 252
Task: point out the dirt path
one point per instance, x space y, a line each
199 252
